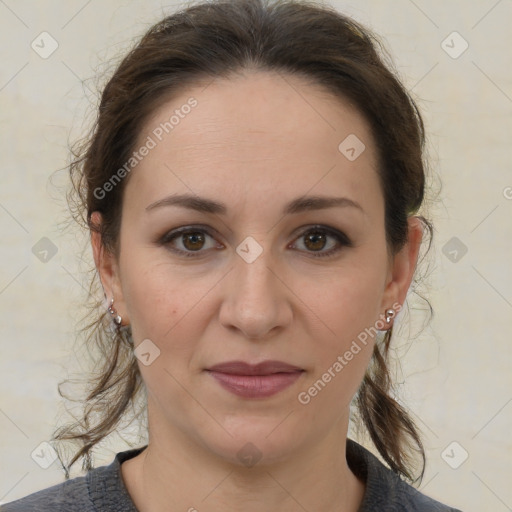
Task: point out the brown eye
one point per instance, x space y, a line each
316 239
193 241
188 241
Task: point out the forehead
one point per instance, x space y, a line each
255 135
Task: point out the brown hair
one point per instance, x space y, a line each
215 39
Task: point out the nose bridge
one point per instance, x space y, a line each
253 273
255 300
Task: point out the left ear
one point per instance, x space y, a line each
402 267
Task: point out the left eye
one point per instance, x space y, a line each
316 239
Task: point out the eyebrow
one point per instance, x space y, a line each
301 204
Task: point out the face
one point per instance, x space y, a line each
259 276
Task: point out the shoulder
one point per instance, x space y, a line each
101 489
385 490
70 495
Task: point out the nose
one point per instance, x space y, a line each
256 300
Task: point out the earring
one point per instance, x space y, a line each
113 312
125 331
390 313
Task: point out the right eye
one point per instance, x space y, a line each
192 240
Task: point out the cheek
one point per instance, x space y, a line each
347 305
343 350
348 309
156 299
169 306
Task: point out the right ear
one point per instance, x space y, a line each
105 262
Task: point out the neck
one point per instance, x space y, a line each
176 471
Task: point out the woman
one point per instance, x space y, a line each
251 187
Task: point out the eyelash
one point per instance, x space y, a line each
340 237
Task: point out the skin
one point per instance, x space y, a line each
253 155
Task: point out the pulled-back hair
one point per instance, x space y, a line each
217 39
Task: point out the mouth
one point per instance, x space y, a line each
261 369
255 380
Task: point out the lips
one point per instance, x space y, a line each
263 368
252 381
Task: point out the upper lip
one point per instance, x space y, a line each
264 368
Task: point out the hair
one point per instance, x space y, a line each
217 39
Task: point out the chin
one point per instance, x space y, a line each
261 442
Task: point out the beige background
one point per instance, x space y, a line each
457 371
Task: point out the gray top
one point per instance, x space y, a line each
102 489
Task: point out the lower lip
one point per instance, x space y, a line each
255 386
